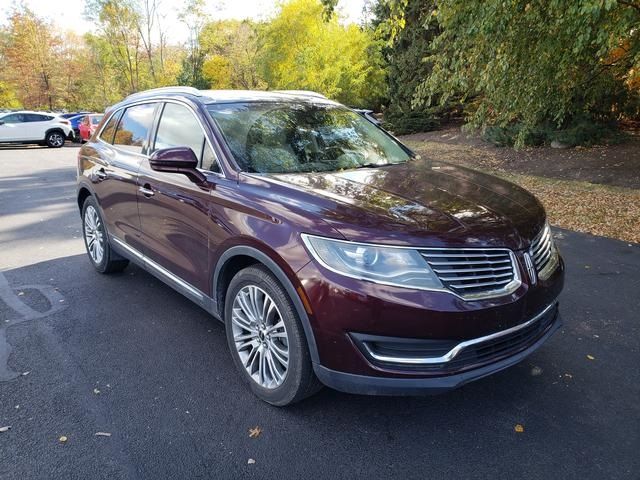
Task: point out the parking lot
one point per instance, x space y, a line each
82 353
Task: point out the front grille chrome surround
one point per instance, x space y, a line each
474 273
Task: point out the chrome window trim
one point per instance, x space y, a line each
451 354
185 286
508 289
155 129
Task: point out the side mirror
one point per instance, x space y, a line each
177 160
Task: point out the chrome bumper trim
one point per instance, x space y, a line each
451 354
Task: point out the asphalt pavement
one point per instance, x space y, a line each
83 353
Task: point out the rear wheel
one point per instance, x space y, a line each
96 240
266 338
55 139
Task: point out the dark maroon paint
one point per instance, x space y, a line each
195 217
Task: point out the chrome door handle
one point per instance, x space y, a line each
101 174
146 191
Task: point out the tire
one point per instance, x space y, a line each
93 228
298 381
55 139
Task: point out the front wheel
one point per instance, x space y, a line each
96 240
54 139
266 338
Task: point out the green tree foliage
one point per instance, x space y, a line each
531 63
304 50
405 53
193 15
233 52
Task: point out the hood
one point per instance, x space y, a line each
423 203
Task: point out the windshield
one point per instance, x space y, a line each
287 137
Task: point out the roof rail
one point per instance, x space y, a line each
303 93
189 90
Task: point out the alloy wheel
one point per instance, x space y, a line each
260 336
93 234
56 140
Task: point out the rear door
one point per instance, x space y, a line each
36 125
176 214
122 146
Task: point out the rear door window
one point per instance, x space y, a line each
133 129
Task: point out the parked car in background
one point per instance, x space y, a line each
87 126
28 127
72 114
75 125
331 252
369 115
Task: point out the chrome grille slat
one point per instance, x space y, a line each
474 272
470 262
476 277
464 255
540 250
481 284
464 270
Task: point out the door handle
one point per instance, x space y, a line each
146 190
101 174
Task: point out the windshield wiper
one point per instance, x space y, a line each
378 165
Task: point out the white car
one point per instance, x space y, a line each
34 127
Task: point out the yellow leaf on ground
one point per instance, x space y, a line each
255 432
519 428
591 357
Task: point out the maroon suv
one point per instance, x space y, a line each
333 254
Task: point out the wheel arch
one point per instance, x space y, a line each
241 256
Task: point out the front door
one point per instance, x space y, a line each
12 128
175 214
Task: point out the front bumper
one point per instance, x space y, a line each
374 385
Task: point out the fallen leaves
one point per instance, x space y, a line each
536 371
96 391
102 434
255 432
5 429
251 461
63 439
591 357
518 428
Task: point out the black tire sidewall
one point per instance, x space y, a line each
299 360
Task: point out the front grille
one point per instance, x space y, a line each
472 272
380 349
541 249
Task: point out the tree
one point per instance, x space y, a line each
32 54
534 63
233 48
303 51
405 52
193 15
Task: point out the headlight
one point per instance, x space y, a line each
402 267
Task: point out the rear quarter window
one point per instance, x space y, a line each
110 128
133 129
